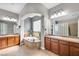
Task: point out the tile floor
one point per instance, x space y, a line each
24 51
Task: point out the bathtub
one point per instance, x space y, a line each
32 42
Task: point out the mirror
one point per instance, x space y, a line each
65 27
7 28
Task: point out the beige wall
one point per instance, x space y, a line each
73 29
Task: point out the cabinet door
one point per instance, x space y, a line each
11 41
54 47
47 43
64 49
17 40
4 42
74 51
0 43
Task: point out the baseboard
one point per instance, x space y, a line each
42 48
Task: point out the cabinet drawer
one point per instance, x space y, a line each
17 41
74 51
47 45
10 41
74 44
48 39
63 42
0 41
54 40
64 50
54 47
0 44
4 43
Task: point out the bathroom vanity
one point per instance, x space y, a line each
9 40
63 46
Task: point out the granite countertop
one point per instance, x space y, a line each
76 40
8 35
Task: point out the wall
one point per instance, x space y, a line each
73 29
26 25
7 13
72 11
41 9
37 8
70 7
10 24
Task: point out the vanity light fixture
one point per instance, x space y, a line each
9 19
62 13
6 18
13 19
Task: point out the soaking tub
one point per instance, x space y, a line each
32 42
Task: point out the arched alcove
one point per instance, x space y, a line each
31 17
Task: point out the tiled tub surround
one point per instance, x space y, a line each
63 46
32 42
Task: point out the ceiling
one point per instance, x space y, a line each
17 7
50 5
71 9
12 7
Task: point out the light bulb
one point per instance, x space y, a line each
58 14
9 19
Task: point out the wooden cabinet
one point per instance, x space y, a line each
54 46
74 49
0 43
63 48
17 40
10 41
47 43
4 42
